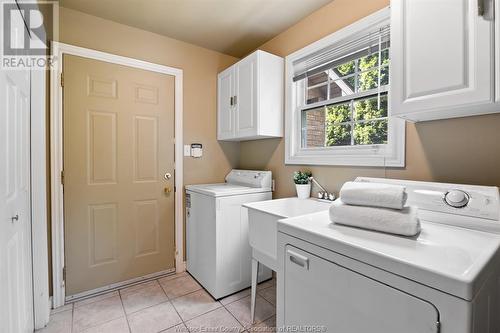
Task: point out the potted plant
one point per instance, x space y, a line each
302 180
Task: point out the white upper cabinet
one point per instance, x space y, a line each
246 97
225 96
442 59
250 98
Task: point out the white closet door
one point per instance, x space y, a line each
16 295
246 97
441 55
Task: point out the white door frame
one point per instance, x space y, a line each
39 182
56 154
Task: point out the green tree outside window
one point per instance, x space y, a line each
369 115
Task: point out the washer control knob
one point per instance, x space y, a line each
456 198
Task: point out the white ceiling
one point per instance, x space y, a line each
233 27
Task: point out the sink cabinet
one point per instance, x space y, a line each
250 98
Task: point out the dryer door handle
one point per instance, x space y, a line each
298 259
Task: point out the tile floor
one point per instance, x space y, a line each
171 304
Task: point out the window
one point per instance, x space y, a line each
338 93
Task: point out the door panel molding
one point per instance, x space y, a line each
56 158
147 236
101 124
102 220
145 162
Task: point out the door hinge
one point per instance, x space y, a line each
62 79
64 273
62 177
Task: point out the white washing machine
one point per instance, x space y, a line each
218 252
351 280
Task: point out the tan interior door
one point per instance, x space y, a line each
118 146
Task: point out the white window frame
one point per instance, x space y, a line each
391 154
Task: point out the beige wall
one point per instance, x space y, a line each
200 68
460 150
465 150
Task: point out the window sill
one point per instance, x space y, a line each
352 160
390 155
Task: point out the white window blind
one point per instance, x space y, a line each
338 92
353 48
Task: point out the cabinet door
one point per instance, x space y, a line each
246 97
321 293
441 56
225 111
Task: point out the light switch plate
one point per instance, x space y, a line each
187 150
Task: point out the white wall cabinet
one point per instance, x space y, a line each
443 59
250 98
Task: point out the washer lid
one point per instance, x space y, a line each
451 259
224 189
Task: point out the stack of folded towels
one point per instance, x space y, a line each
375 206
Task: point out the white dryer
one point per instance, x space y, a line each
218 252
351 280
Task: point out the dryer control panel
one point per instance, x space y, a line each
463 200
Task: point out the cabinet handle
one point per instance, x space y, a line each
235 100
298 259
231 101
485 9
480 7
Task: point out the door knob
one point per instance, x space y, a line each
167 176
14 218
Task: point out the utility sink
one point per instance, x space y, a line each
263 218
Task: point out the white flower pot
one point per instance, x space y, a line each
303 190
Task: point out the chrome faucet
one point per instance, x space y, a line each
325 194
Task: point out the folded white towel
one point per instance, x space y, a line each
401 222
373 194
